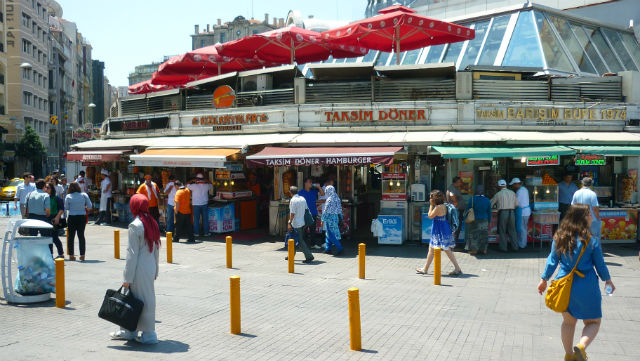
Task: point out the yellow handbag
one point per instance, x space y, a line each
559 292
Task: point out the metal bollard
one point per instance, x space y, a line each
234 298
354 319
437 264
361 255
60 301
169 247
116 243
292 254
228 241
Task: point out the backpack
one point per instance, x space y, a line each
452 217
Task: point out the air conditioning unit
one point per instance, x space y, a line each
257 83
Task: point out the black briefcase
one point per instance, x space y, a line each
123 309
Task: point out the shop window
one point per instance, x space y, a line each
434 54
589 48
553 53
494 39
411 57
524 48
616 42
575 49
605 50
473 48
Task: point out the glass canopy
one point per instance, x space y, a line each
529 38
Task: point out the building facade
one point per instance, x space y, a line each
143 72
97 69
4 119
233 30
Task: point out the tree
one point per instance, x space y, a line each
30 147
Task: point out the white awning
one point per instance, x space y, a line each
191 157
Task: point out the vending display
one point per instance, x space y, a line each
394 186
619 225
231 185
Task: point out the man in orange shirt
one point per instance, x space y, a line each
150 190
184 227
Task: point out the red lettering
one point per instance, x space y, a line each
382 115
344 116
421 115
328 114
354 115
403 115
368 115
412 115
194 121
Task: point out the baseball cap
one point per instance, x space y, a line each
502 183
514 181
200 176
105 172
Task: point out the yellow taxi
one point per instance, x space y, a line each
9 190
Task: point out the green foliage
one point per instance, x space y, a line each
30 146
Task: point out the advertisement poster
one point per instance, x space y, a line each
426 228
467 181
619 225
391 230
222 219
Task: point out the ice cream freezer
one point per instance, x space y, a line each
394 217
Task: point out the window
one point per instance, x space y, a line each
632 46
202 43
371 56
26 20
26 98
494 39
473 48
35 49
589 48
25 46
40 79
524 49
575 49
411 57
33 27
254 32
35 76
44 58
434 54
223 37
453 50
606 51
556 57
40 103
26 74
382 59
39 56
616 41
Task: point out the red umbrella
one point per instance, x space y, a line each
286 45
175 80
398 29
144 87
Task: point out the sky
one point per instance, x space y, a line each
124 34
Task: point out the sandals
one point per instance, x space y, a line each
455 273
580 352
420 271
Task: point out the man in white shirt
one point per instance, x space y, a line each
82 182
170 189
104 216
22 191
297 208
586 196
200 199
523 212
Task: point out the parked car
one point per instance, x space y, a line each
9 190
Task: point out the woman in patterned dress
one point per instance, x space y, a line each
331 218
441 235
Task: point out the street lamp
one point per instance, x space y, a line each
91 105
25 65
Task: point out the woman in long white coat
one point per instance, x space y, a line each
141 269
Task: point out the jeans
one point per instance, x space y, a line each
76 224
170 217
204 212
56 240
184 228
507 225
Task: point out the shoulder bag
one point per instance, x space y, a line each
309 220
559 292
471 215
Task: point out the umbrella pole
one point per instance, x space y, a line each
292 52
397 45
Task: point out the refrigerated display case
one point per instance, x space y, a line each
398 209
416 209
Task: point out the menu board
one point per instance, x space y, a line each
543 160
590 159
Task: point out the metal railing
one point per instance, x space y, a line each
338 92
264 97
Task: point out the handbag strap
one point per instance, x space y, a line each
584 246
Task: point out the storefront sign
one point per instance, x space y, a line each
549 114
225 120
544 160
139 124
94 157
224 96
308 161
81 135
590 159
382 115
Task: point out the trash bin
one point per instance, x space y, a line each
27 258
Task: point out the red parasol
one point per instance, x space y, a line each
145 87
286 46
398 29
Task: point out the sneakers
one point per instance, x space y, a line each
123 335
148 338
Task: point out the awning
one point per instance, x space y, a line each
97 155
278 156
607 149
190 157
501 152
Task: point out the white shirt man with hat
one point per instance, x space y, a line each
523 212
200 189
506 202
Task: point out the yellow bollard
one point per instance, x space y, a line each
437 264
354 318
292 254
361 254
116 243
169 247
234 285
60 302
229 252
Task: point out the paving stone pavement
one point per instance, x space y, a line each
493 312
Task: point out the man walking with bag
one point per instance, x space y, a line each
297 208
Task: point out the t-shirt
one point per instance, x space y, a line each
23 191
151 194
505 199
481 207
172 193
103 185
311 197
457 193
200 193
523 200
297 206
588 197
183 198
38 202
82 182
566 192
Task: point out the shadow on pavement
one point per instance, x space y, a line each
48 304
164 346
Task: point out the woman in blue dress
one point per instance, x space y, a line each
331 218
441 235
585 302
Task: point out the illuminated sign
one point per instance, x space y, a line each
544 160
590 159
382 115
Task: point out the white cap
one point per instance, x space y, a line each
514 181
502 183
199 175
105 172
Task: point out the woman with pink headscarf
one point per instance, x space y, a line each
141 269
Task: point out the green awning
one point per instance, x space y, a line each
501 152
607 149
